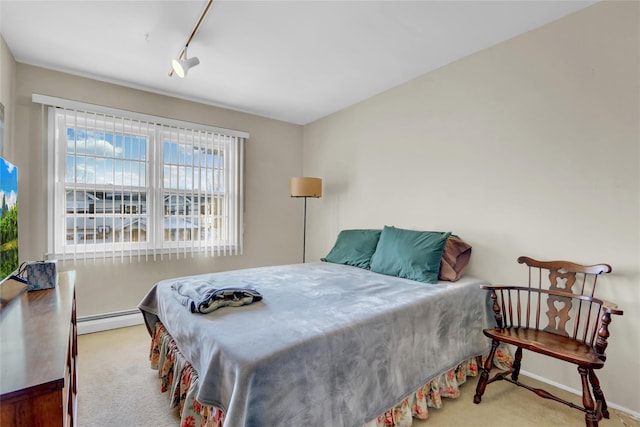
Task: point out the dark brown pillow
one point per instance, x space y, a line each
455 259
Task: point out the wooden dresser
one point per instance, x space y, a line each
38 357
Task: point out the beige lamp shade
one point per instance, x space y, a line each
305 187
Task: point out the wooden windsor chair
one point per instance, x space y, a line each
576 327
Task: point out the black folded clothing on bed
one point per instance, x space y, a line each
201 297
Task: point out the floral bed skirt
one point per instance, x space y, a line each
180 379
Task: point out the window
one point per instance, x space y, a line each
135 187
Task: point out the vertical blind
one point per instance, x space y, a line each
125 185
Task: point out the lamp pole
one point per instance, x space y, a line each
304 231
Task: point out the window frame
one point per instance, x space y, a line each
155 245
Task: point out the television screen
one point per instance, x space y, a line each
8 219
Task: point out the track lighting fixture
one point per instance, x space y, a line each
182 64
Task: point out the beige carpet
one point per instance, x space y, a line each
118 388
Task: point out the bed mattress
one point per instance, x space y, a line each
328 344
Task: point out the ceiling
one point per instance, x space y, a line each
295 61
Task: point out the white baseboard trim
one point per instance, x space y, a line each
105 322
578 392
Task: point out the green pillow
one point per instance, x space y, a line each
354 247
409 254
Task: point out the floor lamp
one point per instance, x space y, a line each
305 187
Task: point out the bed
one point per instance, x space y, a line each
327 344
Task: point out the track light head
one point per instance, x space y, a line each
181 66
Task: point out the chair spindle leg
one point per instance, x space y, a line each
598 394
591 418
516 364
484 375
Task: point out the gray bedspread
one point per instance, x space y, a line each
329 345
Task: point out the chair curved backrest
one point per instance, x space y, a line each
565 292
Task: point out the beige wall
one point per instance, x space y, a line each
273 221
530 147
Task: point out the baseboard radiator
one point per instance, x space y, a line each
106 321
